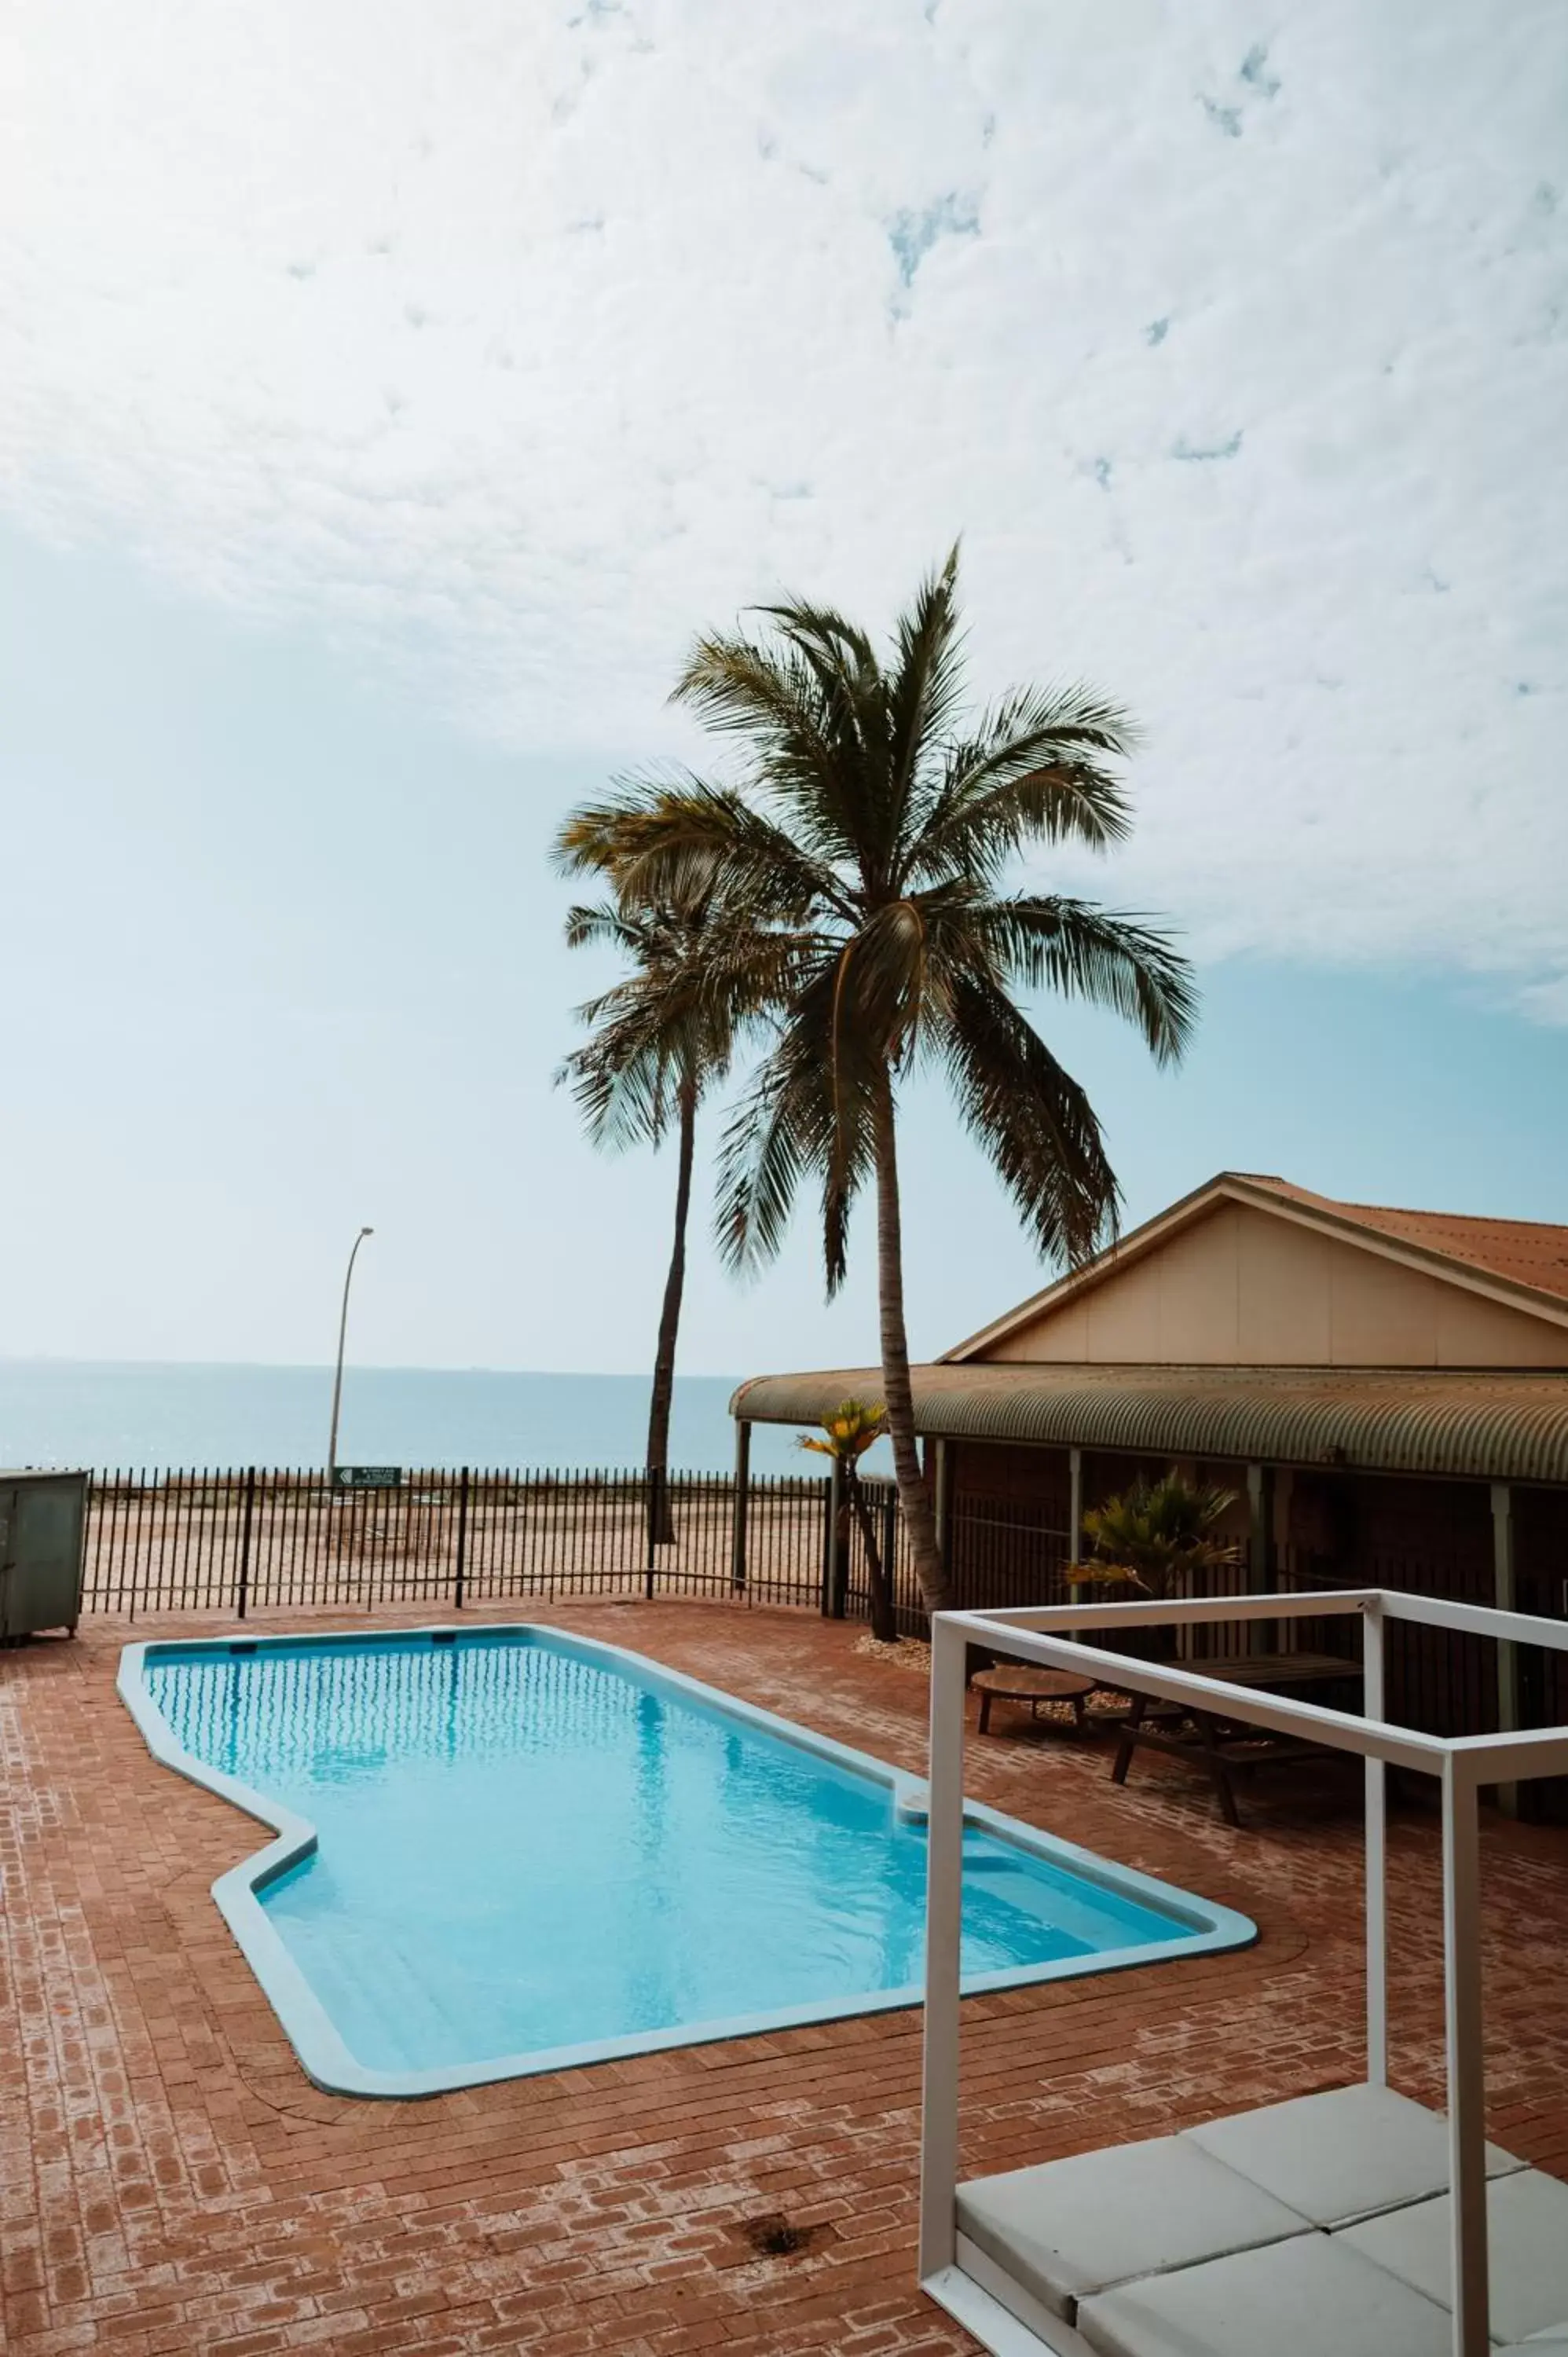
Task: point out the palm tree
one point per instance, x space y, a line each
869 835
848 1433
659 1038
1157 1535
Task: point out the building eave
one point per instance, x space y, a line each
1477 1424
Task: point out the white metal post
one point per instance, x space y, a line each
944 1917
1377 1854
1057 1637
1466 2061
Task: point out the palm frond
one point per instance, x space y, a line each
1032 1120
880 984
798 1117
623 1100
764 1152
1111 958
805 623
678 842
801 706
700 978
926 685
838 1064
848 1431
1160 1534
1035 771
592 838
605 924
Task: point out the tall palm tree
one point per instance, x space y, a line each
869 834
660 1036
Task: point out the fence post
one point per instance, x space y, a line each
836 1579
830 1527
742 1505
462 1537
1262 1636
242 1597
890 1542
940 1469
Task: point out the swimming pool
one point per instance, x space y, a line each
507 1850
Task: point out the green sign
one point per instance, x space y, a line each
366 1477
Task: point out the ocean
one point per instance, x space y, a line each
147 1417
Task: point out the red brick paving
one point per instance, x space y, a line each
169 2181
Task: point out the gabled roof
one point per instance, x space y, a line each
1523 1263
1526 1252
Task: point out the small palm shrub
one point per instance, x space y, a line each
848 1433
1156 1534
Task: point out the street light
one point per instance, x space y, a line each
337 1378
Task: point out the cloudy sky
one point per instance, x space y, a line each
386 394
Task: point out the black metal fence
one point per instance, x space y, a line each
1442 1681
259 1539
240 1540
1004 1551
1017 1550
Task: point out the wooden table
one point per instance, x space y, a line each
1015 1681
1226 1746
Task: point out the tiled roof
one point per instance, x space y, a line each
1522 1252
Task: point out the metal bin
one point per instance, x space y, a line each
43 1532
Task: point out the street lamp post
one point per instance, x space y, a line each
337 1378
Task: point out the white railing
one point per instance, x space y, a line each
1054 1637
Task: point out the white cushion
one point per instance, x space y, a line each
1308 2298
1069 2227
1527 2233
1342 2155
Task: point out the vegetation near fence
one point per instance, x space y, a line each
238 1541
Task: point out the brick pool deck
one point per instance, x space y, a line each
169 2181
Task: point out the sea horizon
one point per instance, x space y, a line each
148 1416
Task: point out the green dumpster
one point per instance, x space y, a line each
43 1532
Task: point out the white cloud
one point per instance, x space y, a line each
1235 339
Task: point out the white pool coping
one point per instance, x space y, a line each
322 2053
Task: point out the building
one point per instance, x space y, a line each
1386 1393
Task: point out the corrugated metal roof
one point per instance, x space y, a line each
1501 1428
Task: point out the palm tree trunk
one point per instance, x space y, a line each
661 1522
920 1519
884 1620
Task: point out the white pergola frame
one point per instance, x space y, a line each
1051 1636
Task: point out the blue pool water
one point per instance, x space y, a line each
529 1843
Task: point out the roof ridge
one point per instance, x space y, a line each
1400 1211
